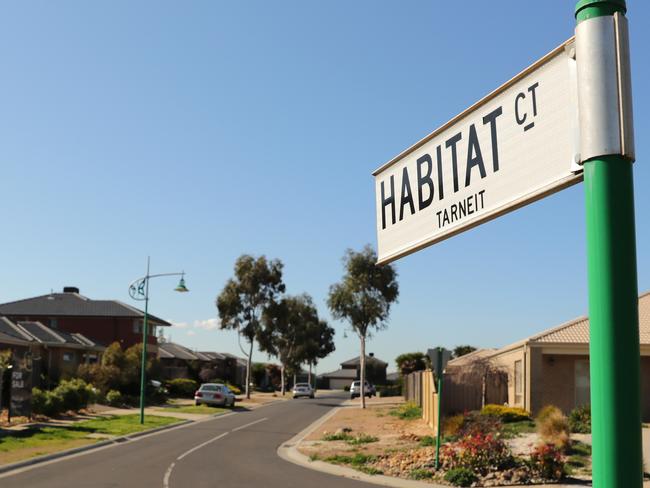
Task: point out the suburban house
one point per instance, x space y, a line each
55 354
551 367
351 370
104 321
177 362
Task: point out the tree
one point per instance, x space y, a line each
246 297
285 332
412 361
259 374
363 298
462 350
319 343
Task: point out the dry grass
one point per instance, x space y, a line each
553 427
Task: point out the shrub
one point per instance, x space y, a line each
389 391
479 453
580 419
408 411
48 403
428 441
75 394
362 439
460 477
476 424
553 427
235 389
114 398
452 425
346 388
337 436
546 462
505 413
39 397
182 387
421 474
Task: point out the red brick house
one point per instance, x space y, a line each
103 321
56 354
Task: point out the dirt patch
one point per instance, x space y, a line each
391 433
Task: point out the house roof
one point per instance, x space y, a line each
213 356
73 304
576 331
470 357
30 332
357 360
171 350
344 373
240 361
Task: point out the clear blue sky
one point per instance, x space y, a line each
197 131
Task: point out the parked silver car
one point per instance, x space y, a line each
302 389
214 394
355 389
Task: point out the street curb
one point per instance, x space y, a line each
7 468
289 452
75 450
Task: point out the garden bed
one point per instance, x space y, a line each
477 450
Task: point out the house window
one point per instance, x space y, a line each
519 383
137 326
582 385
68 356
90 358
152 330
54 323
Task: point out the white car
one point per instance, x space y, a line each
302 389
214 394
355 389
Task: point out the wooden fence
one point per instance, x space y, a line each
458 396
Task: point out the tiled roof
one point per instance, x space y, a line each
176 351
344 373
72 304
35 332
212 356
470 357
357 360
240 361
577 331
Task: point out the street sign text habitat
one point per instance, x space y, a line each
515 146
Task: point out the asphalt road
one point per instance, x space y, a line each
233 451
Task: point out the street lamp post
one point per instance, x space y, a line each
139 290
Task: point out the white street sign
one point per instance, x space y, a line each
515 146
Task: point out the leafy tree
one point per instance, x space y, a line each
259 373
285 331
318 344
273 371
363 298
462 350
412 361
246 297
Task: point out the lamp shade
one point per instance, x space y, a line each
181 288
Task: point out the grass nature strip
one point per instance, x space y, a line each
195 409
17 445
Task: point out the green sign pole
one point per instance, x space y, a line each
438 420
613 308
